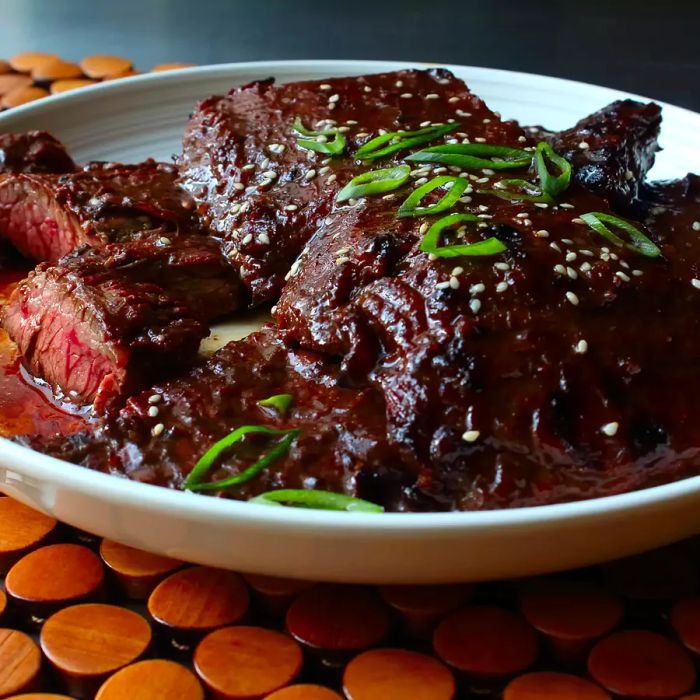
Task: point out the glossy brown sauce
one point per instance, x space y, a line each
25 408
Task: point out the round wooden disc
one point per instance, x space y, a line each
20 662
137 572
553 686
102 66
154 679
685 618
22 96
396 674
21 528
486 641
338 618
641 664
571 610
170 66
26 62
56 70
55 574
93 639
275 593
59 86
10 82
199 598
304 691
244 663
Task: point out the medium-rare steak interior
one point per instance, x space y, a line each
467 314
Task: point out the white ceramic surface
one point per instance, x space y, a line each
144 116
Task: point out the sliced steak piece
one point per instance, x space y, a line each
48 216
190 268
94 334
613 149
256 188
34 152
341 446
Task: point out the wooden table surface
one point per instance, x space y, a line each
643 47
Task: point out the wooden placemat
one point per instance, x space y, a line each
82 617
30 76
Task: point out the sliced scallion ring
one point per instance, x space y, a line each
374 182
280 402
519 190
411 205
313 498
399 140
431 241
472 156
552 185
334 148
194 481
638 242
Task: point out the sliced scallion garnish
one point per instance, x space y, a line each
520 190
431 241
552 185
374 182
316 499
280 402
335 147
474 156
639 243
399 140
411 205
194 481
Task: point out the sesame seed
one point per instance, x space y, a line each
389 197
566 205
462 113
501 287
248 166
475 305
576 220
291 207
454 283
157 429
163 240
264 239
624 264
585 267
351 122
572 298
629 175
502 266
482 180
477 288
276 147
324 86
522 139
483 208
584 146
153 411
367 88
465 200
479 139
554 246
457 271
471 436
321 139
324 170
334 98
542 233
342 260
264 163
610 429
266 182
695 282
432 257
361 134
454 99
570 257
696 225
155 398
442 285
581 347
310 174
424 124
488 171
560 269
352 201
273 309
637 273
585 251
572 273
522 215
423 228
407 95
542 205
432 96
399 83
244 207
331 105
567 241
238 186
439 171
271 174
527 222
622 276
248 238
331 178
421 181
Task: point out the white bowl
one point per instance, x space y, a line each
144 116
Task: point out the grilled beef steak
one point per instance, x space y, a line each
47 216
33 152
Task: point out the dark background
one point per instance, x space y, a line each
641 46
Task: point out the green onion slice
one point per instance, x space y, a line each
335 147
431 241
639 243
280 402
474 156
552 185
519 189
194 482
399 140
374 182
411 205
312 498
